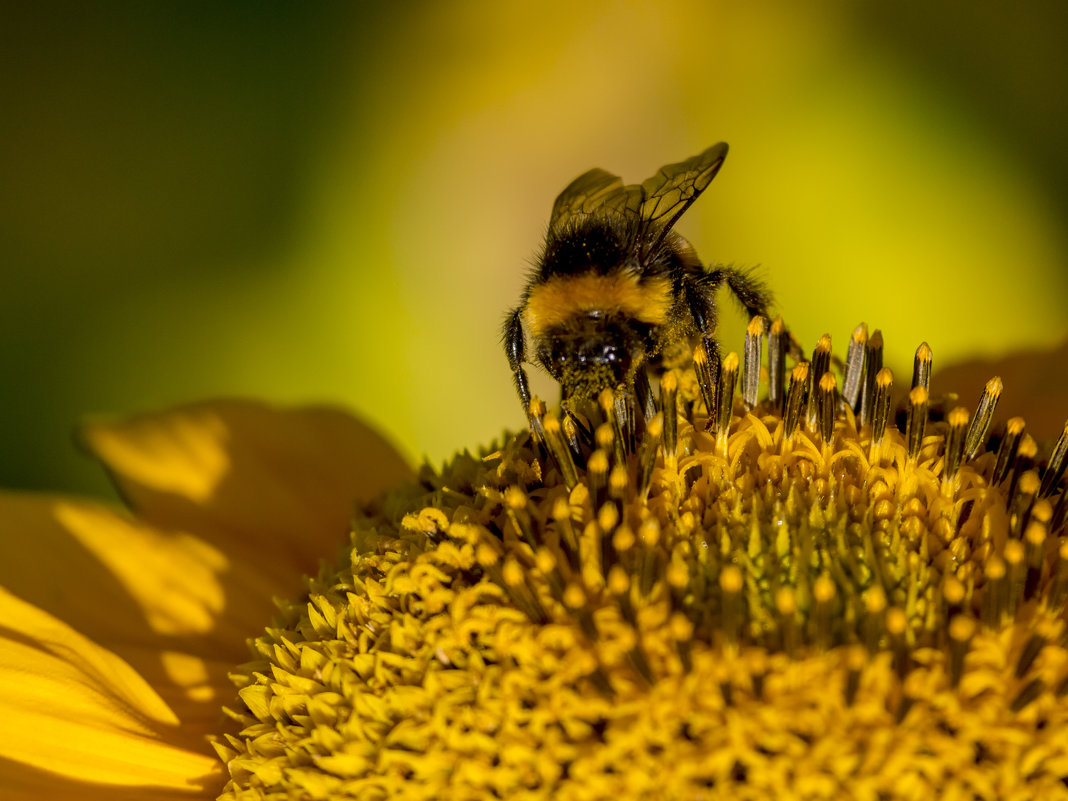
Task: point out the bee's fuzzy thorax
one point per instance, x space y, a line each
561 298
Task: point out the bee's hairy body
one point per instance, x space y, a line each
615 289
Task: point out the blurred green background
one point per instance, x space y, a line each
333 201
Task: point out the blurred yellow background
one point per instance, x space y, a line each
309 202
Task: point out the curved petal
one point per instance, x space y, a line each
175 608
73 709
280 483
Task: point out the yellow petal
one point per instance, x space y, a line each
122 583
172 606
281 481
74 709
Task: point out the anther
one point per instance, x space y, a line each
821 363
880 412
777 347
921 367
669 386
917 421
754 339
707 370
1010 443
1055 469
958 424
984 413
873 363
557 445
604 437
828 406
728 377
797 399
853 374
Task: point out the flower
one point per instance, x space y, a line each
795 598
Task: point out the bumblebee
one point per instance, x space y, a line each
615 290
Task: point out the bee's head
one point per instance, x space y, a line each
593 352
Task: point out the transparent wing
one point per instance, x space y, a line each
591 191
668 194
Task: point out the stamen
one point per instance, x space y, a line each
707 372
1020 510
853 374
828 406
557 445
535 414
1032 648
597 473
777 346
1035 547
1055 469
917 422
1058 592
730 584
958 423
647 454
821 363
797 400
921 367
823 593
573 436
1029 693
566 534
515 504
669 384
754 338
983 415
1010 444
873 363
786 606
896 630
1015 556
884 389
728 377
614 441
995 591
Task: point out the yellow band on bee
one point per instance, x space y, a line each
562 298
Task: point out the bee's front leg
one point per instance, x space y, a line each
515 350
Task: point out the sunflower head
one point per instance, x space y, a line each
813 595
